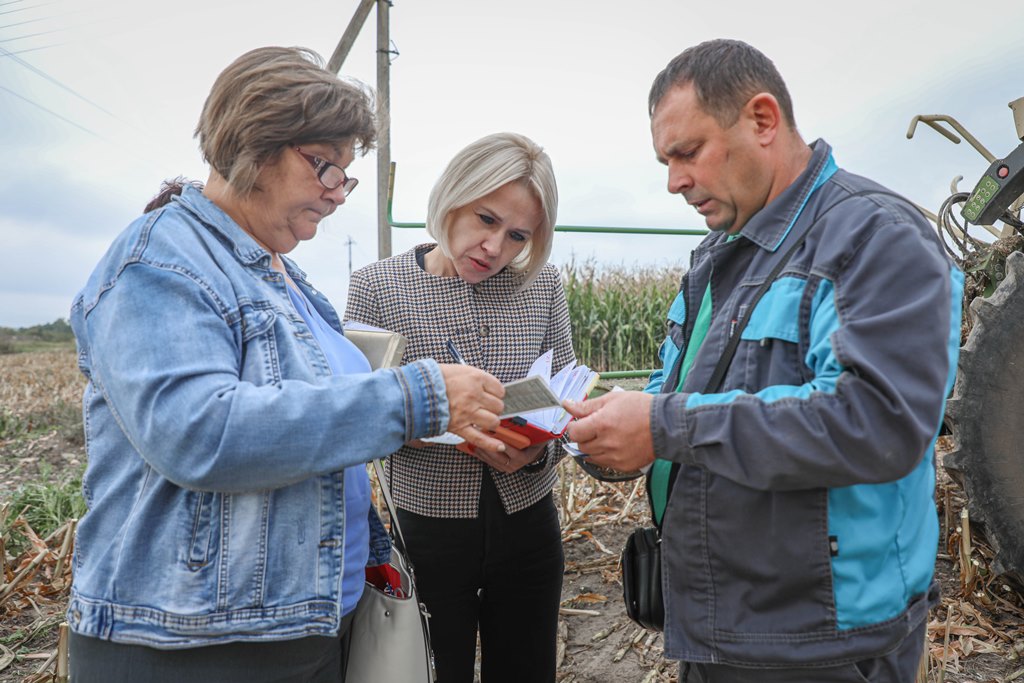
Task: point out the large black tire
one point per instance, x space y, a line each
986 414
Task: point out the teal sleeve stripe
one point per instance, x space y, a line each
677 311
957 282
654 382
668 352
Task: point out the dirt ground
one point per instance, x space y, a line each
977 633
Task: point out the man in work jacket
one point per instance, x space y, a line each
800 533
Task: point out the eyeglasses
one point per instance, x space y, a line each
330 175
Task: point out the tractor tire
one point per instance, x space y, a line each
986 417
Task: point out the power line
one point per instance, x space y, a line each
42 74
22 23
22 9
36 49
32 35
51 112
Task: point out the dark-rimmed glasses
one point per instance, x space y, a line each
330 175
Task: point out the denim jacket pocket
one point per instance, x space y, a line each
255 326
202 530
255 320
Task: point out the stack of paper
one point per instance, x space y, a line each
533 405
573 382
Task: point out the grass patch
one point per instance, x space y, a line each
12 345
47 506
61 417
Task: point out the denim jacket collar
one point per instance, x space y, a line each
242 245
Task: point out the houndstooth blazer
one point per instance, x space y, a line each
496 329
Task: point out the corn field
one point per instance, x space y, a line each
618 314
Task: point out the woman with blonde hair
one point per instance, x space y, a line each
482 530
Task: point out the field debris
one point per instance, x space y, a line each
33 595
976 633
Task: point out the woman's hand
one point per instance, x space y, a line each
474 403
511 459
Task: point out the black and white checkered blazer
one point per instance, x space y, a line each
496 329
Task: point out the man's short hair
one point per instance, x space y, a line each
725 74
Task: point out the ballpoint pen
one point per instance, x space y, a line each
507 435
454 352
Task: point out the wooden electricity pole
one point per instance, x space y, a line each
384 138
383 104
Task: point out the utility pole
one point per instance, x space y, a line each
384 107
384 139
349 243
351 33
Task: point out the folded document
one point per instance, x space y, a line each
533 405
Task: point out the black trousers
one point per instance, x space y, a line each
500 573
898 666
314 659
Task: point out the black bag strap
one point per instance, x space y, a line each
730 350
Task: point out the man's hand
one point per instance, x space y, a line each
512 459
614 430
474 403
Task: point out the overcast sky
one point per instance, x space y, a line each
99 99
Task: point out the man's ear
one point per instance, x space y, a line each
763 111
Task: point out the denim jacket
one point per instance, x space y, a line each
217 439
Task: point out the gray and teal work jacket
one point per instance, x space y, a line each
801 527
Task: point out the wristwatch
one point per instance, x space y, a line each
538 464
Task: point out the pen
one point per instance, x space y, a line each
510 437
454 352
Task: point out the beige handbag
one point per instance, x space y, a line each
390 638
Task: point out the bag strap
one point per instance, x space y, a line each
396 528
730 350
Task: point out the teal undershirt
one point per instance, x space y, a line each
658 484
660 470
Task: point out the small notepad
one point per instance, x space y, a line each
533 405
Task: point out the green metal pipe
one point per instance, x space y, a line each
616 374
558 228
626 374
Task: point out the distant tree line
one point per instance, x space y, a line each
57 332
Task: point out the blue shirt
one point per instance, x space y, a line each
344 358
